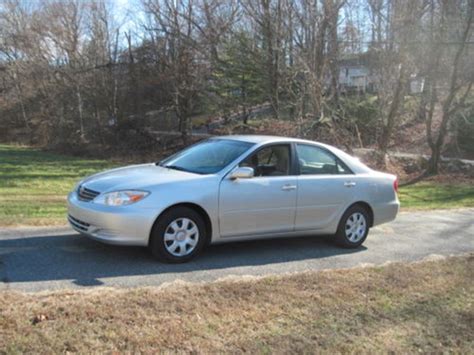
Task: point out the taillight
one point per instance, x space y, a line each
395 184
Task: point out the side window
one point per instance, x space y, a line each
317 161
270 161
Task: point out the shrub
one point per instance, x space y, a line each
361 112
464 130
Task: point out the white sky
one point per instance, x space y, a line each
127 12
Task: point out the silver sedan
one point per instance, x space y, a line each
234 188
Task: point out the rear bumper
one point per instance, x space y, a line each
113 225
385 212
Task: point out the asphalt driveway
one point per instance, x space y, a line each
47 259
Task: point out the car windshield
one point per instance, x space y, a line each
208 157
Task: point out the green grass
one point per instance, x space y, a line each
435 195
34 184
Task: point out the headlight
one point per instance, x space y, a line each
121 198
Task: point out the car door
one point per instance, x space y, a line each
325 187
265 203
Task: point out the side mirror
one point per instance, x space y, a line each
242 173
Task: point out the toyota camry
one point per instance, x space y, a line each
234 188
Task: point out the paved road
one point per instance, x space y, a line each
47 259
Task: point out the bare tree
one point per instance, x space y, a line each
394 63
174 24
451 90
267 18
331 10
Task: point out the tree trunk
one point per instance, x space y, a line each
448 109
22 106
393 111
79 108
183 112
272 57
433 163
332 12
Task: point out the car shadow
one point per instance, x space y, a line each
74 257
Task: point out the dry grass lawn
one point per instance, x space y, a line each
425 306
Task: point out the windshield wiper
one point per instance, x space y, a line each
176 167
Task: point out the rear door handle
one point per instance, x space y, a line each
349 184
288 187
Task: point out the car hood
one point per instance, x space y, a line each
135 177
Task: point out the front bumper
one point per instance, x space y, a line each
128 225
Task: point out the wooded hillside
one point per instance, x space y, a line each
350 72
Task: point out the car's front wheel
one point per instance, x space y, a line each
178 235
353 227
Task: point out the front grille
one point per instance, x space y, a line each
86 194
81 225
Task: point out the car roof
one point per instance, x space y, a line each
251 138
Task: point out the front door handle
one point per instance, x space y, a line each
288 187
349 184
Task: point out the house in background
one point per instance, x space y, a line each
355 76
417 84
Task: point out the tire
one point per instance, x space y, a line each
353 237
178 235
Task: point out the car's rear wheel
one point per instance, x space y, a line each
353 227
178 235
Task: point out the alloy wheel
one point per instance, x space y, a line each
356 226
181 237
